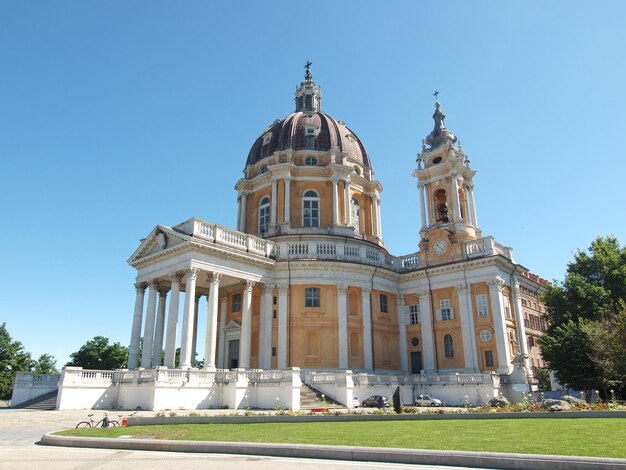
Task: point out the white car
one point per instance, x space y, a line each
427 400
355 402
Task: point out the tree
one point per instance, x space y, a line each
46 364
585 343
100 355
13 359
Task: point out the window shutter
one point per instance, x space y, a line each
438 314
407 315
451 313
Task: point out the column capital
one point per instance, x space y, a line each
267 288
176 277
214 278
288 178
247 285
366 291
462 288
192 273
154 284
334 179
342 289
400 300
469 186
140 287
283 288
347 180
497 283
163 292
424 295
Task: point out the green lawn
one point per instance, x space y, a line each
595 437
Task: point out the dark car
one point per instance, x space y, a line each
376 401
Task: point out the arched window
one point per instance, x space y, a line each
448 346
356 214
310 209
264 215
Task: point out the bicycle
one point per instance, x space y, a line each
103 423
124 420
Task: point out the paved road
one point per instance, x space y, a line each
20 431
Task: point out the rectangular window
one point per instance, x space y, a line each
236 303
489 358
312 297
507 312
481 303
414 314
383 303
275 300
273 352
445 311
274 315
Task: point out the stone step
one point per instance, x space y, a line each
45 402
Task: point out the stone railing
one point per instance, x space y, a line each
487 246
364 379
225 236
32 379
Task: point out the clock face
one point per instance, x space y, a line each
440 247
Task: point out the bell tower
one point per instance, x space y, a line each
446 191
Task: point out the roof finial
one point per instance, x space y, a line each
436 95
307 76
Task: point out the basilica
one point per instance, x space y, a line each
304 292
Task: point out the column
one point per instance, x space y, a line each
420 188
342 313
428 344
470 195
335 201
499 326
455 197
282 326
223 314
265 328
239 212
273 202
375 231
194 341
210 344
172 323
135 331
246 325
378 218
188 319
348 203
367 328
157 348
404 362
516 300
468 332
242 213
148 332
287 201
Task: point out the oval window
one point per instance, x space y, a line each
415 342
310 161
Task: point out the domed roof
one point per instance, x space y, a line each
308 130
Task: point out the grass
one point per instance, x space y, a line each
593 437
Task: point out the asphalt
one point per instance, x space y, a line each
27 424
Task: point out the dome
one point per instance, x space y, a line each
308 130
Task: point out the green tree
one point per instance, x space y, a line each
543 376
46 364
100 355
13 359
585 343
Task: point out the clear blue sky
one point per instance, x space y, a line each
117 116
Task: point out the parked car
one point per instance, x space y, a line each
355 402
376 401
427 400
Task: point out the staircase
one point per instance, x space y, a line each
43 402
311 398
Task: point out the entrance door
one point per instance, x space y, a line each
233 354
416 362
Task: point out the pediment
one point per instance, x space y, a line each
233 325
160 239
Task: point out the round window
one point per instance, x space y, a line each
485 335
263 170
437 160
415 342
310 161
